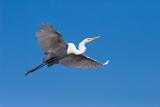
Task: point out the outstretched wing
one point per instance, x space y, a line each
50 40
79 61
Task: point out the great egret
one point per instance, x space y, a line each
57 51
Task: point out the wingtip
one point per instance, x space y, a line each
106 62
45 26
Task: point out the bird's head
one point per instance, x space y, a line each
87 40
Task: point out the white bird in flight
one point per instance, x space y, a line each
57 51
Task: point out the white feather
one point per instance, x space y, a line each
106 62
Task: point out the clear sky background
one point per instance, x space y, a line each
130 31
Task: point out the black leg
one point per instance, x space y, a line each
36 68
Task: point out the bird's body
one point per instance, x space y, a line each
57 51
73 50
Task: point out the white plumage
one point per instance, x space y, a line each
57 51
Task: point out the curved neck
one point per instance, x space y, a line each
73 50
82 47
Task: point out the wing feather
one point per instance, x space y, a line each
79 61
49 38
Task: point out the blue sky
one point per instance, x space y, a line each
130 39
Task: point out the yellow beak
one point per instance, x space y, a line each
91 39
